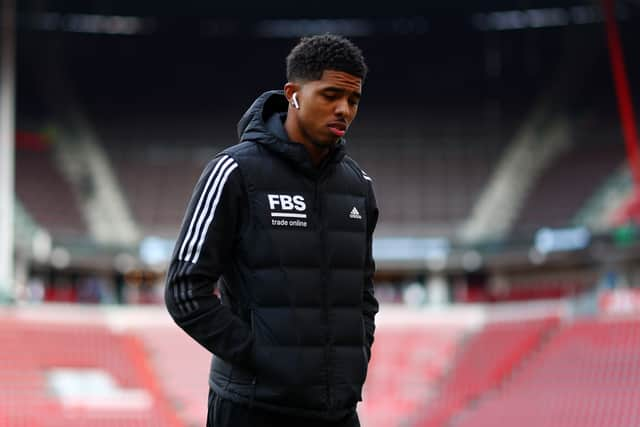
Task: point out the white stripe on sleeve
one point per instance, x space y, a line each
202 207
213 210
194 215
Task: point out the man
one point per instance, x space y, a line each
283 221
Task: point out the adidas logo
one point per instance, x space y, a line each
355 214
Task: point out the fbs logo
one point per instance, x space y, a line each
284 202
287 211
355 214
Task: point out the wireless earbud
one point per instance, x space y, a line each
294 101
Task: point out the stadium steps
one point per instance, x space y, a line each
439 414
545 337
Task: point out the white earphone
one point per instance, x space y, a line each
294 100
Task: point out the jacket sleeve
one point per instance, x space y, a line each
370 303
202 254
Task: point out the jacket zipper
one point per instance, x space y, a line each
325 291
254 379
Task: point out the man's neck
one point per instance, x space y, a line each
296 134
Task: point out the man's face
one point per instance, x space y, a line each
328 106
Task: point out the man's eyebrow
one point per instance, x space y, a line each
340 90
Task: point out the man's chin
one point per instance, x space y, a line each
326 143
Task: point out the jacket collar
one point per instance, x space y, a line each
253 127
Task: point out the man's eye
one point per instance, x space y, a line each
330 97
353 102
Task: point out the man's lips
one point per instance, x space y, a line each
338 128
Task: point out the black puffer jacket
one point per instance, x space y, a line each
290 244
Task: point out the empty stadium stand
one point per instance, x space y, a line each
430 166
31 351
43 190
406 366
157 161
566 185
541 372
587 375
184 384
483 363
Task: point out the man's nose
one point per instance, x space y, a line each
342 107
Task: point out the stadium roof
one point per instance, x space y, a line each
290 8
287 18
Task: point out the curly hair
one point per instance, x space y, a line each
312 55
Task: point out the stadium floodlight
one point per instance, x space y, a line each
7 148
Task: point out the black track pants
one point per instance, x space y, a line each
225 413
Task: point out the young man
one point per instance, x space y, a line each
283 222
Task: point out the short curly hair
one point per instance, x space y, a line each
313 55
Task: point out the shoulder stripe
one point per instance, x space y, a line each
365 176
202 208
196 212
213 210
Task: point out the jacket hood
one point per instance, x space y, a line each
253 127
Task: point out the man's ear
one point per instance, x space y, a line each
289 89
